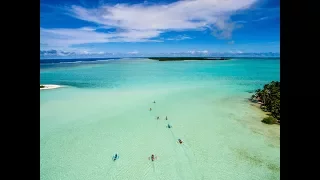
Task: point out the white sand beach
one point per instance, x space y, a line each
50 86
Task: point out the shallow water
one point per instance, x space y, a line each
104 109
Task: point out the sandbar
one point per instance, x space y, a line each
50 86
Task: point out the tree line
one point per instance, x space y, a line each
269 98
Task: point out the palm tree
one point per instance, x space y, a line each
258 90
253 97
263 95
270 97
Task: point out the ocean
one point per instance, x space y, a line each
104 106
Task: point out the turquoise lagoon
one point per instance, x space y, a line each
103 108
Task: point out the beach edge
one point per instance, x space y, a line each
49 86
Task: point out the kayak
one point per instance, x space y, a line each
115 156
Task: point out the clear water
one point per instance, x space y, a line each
104 108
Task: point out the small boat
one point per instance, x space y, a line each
115 157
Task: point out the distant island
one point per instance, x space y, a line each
49 86
269 100
187 58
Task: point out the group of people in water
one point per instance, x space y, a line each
152 157
158 116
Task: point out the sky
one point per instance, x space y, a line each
150 27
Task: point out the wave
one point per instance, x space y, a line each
70 62
56 61
103 60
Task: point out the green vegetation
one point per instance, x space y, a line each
269 98
41 86
186 58
269 120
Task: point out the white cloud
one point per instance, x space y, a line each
236 52
261 19
76 52
58 53
179 38
198 52
204 52
231 42
84 52
67 37
133 52
181 15
144 22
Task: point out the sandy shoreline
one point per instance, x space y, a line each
50 86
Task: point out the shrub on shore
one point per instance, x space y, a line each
269 120
41 86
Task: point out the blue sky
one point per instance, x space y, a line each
138 27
